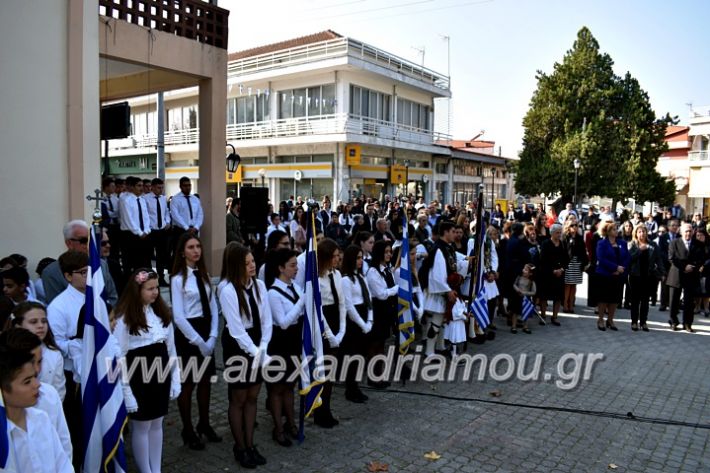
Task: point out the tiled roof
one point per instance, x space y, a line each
673 129
290 43
468 144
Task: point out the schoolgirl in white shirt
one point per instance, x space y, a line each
244 344
32 316
334 315
384 302
197 320
287 303
360 317
365 241
144 331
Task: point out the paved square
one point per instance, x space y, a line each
660 374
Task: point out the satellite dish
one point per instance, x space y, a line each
298 175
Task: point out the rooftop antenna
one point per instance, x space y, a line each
421 51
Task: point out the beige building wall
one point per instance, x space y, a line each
36 104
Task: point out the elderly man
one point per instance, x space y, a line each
383 232
76 238
684 276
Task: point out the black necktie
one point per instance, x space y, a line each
336 299
110 203
293 291
189 206
140 214
160 212
365 293
256 320
389 279
204 300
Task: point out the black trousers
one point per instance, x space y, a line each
114 236
72 412
160 251
135 252
688 304
640 287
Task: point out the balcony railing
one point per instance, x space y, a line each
294 127
331 49
193 19
699 155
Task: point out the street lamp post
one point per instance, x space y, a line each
576 164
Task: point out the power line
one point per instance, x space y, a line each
369 10
465 4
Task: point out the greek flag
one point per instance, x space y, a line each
404 307
103 410
312 368
528 308
4 440
479 305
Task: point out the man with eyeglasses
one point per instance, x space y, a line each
76 238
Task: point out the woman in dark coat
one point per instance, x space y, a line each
645 269
551 280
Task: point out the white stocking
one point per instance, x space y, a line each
140 444
155 437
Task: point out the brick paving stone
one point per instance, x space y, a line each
660 374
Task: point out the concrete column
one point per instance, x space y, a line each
449 190
213 187
83 146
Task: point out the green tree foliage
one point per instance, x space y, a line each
584 111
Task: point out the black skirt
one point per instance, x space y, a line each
384 321
152 394
355 340
610 289
287 344
238 364
331 314
189 355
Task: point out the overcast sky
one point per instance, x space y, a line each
498 45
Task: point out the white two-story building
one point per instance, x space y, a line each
312 116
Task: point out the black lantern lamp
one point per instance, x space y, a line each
233 160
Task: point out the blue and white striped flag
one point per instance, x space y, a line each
312 366
103 410
4 439
404 306
528 308
479 305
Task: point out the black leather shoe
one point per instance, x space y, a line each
644 327
255 456
662 308
327 421
378 384
281 439
208 432
611 326
354 396
291 430
601 327
554 322
243 458
688 328
190 438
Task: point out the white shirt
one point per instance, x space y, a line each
180 211
326 297
238 323
152 204
37 450
272 228
52 371
187 305
130 220
110 206
51 404
355 297
435 300
156 333
63 315
346 220
283 311
378 286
